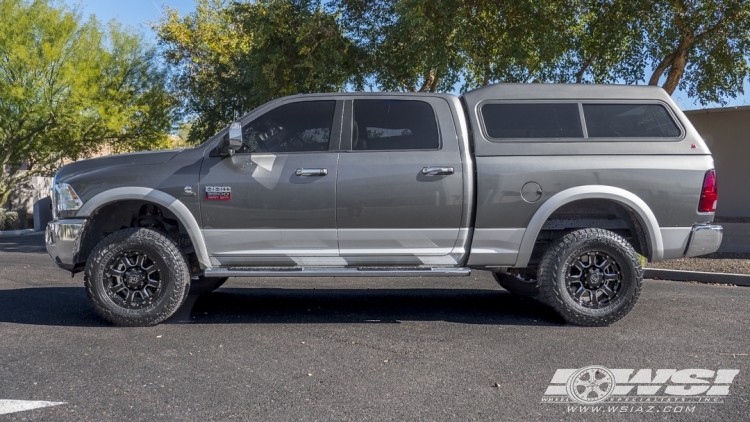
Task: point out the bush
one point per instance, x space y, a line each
21 221
10 218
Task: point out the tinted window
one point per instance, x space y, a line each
296 127
527 120
629 121
393 124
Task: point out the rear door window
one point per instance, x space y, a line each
532 120
629 121
384 125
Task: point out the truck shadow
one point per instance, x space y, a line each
68 306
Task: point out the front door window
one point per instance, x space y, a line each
296 127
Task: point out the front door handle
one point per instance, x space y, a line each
311 172
434 171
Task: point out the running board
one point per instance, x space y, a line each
338 272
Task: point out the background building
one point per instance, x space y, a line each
727 133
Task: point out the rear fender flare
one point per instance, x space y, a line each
628 199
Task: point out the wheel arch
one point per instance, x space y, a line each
156 197
621 196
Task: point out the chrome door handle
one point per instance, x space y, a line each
311 172
434 171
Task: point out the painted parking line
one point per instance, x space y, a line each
12 406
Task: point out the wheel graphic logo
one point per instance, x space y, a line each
592 384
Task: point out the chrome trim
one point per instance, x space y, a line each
337 272
62 241
436 171
65 230
311 172
704 239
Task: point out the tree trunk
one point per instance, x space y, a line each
676 70
663 65
582 71
434 85
428 81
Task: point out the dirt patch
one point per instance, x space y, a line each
725 262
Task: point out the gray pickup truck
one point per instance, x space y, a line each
559 190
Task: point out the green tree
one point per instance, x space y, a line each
514 41
230 57
430 45
68 88
408 45
605 43
701 45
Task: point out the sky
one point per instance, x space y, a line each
137 13
133 13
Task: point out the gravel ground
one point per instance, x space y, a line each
725 262
732 220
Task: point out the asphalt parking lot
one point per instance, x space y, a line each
348 349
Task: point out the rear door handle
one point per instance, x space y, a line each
311 172
435 171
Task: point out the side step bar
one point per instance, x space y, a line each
338 272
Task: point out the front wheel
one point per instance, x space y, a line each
591 277
136 277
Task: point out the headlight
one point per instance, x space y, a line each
64 198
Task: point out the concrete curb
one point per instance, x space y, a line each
5 233
702 277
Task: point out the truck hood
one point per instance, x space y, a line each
119 160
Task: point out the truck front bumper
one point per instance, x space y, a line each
704 239
62 240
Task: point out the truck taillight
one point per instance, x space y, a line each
709 194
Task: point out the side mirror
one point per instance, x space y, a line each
233 140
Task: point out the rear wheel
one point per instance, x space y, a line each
200 285
136 277
591 277
521 282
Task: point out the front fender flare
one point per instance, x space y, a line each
628 199
157 197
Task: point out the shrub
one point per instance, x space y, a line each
9 218
21 221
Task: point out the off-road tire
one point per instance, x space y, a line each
520 285
201 285
557 261
171 264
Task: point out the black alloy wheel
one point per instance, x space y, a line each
134 280
594 279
